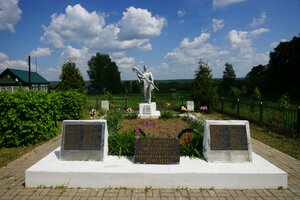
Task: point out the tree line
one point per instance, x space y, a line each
279 76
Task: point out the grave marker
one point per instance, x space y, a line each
105 105
190 105
227 141
84 140
157 151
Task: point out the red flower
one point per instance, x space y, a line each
188 139
181 143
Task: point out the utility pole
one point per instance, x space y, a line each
35 64
29 78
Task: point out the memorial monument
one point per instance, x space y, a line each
148 108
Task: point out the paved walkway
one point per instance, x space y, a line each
12 182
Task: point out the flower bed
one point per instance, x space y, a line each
122 133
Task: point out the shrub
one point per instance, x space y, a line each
26 117
114 118
167 115
122 144
69 104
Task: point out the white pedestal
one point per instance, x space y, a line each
148 110
122 172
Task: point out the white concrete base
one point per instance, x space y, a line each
122 172
148 110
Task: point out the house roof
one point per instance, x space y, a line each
23 76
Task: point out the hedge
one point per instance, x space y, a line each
29 117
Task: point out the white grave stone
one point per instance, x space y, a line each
84 140
148 110
105 105
227 141
190 105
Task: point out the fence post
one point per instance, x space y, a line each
222 108
260 112
125 103
298 123
238 108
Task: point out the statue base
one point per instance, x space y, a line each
148 110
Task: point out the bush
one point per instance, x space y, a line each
114 118
69 104
122 144
26 117
167 115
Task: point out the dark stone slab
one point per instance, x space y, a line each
157 151
228 137
83 137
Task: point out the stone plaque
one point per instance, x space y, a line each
105 105
147 110
227 141
83 137
190 105
157 151
84 140
228 137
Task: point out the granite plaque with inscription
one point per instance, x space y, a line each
83 140
227 141
157 151
228 137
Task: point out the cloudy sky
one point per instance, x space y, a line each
169 36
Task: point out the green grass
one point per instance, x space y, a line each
290 146
9 154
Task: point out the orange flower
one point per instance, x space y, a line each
181 143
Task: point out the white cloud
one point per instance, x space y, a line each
15 64
275 44
181 13
239 38
138 23
217 24
184 59
74 54
125 62
10 14
259 21
39 52
224 3
259 31
77 24
118 54
3 57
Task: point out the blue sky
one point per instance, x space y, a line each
169 36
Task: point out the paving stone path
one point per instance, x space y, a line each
12 179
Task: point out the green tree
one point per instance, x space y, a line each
71 78
204 93
104 74
283 69
228 77
256 78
